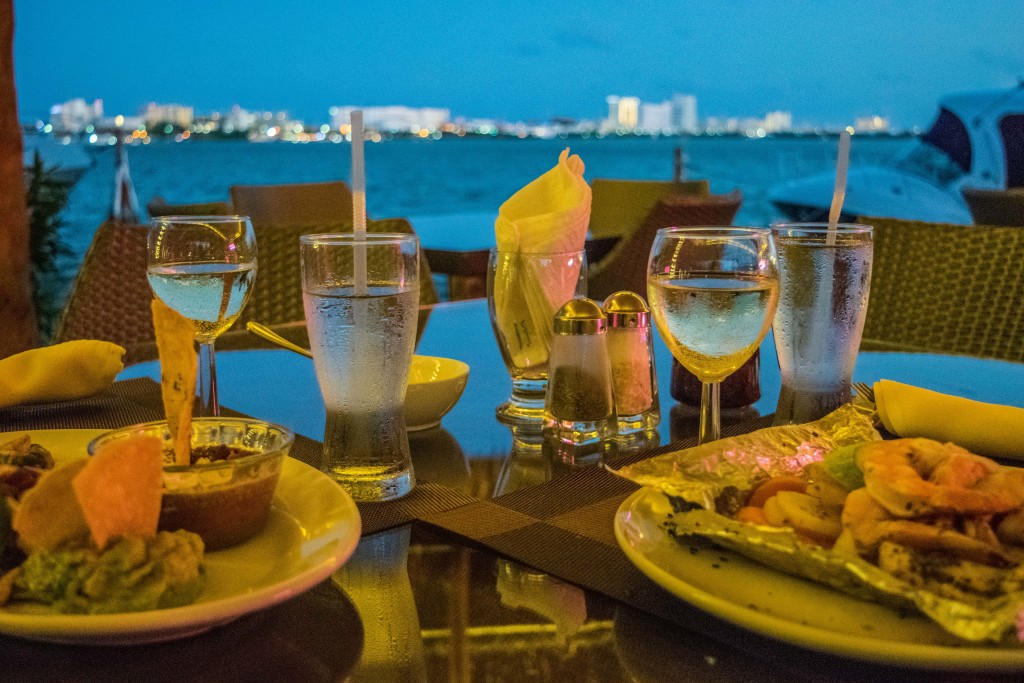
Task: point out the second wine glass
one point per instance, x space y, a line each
204 268
713 293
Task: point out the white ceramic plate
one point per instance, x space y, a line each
313 528
791 609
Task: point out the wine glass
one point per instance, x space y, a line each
204 268
713 293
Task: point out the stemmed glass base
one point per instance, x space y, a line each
526 404
208 405
710 413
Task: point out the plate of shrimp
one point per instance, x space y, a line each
924 542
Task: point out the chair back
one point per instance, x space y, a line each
996 207
946 289
157 206
277 294
618 207
625 266
301 204
110 297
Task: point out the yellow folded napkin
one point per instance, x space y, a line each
983 428
550 215
61 372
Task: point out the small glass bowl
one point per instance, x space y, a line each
226 502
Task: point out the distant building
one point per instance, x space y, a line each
176 115
778 122
656 118
239 120
623 113
871 124
394 119
684 113
74 116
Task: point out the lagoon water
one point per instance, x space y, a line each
450 176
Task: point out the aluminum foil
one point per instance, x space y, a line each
697 480
701 474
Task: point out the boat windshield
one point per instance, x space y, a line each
924 160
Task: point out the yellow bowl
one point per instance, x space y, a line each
435 385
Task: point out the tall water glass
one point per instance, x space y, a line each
524 290
204 268
822 305
713 293
361 296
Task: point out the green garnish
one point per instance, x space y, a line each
841 464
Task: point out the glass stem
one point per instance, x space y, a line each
710 422
208 406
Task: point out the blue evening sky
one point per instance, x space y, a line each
826 61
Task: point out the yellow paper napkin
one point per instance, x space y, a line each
983 428
550 215
61 372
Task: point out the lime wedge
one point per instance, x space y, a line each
841 464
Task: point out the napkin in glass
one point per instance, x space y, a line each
982 428
550 215
61 372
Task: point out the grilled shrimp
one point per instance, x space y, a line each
870 524
915 477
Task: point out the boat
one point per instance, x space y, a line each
65 160
977 140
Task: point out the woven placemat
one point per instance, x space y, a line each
564 528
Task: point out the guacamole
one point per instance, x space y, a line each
131 575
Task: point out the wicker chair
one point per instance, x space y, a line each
946 289
110 298
996 207
157 206
625 266
277 295
302 204
618 207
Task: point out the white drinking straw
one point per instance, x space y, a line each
839 193
358 203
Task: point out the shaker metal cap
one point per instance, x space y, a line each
580 316
626 309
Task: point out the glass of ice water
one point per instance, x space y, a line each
713 293
361 297
823 302
204 268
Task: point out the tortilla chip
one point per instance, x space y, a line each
17 446
47 516
119 489
178 367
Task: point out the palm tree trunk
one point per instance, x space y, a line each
17 316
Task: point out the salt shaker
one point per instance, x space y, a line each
631 348
578 405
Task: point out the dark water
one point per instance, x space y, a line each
449 176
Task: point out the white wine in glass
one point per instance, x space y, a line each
713 294
204 268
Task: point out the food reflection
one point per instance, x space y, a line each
376 579
562 603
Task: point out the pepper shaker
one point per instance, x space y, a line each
631 348
578 406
